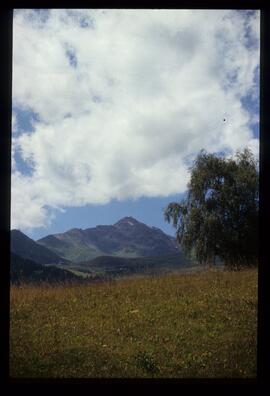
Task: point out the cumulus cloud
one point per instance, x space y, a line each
124 99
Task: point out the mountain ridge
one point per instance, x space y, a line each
27 248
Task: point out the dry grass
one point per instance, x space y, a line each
176 326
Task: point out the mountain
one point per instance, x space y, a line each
126 238
25 247
24 270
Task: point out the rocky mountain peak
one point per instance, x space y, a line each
128 220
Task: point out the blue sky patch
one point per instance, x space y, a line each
25 167
25 119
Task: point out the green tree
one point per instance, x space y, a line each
219 216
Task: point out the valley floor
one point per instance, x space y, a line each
198 325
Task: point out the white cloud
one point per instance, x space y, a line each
124 101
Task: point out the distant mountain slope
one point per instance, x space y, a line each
126 238
110 265
24 270
25 247
72 245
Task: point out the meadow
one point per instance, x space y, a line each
189 325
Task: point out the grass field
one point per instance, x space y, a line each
197 325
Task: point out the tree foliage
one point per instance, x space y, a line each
219 216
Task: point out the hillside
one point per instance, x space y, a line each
175 326
117 266
24 271
126 238
25 247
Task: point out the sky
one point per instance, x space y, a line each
110 108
